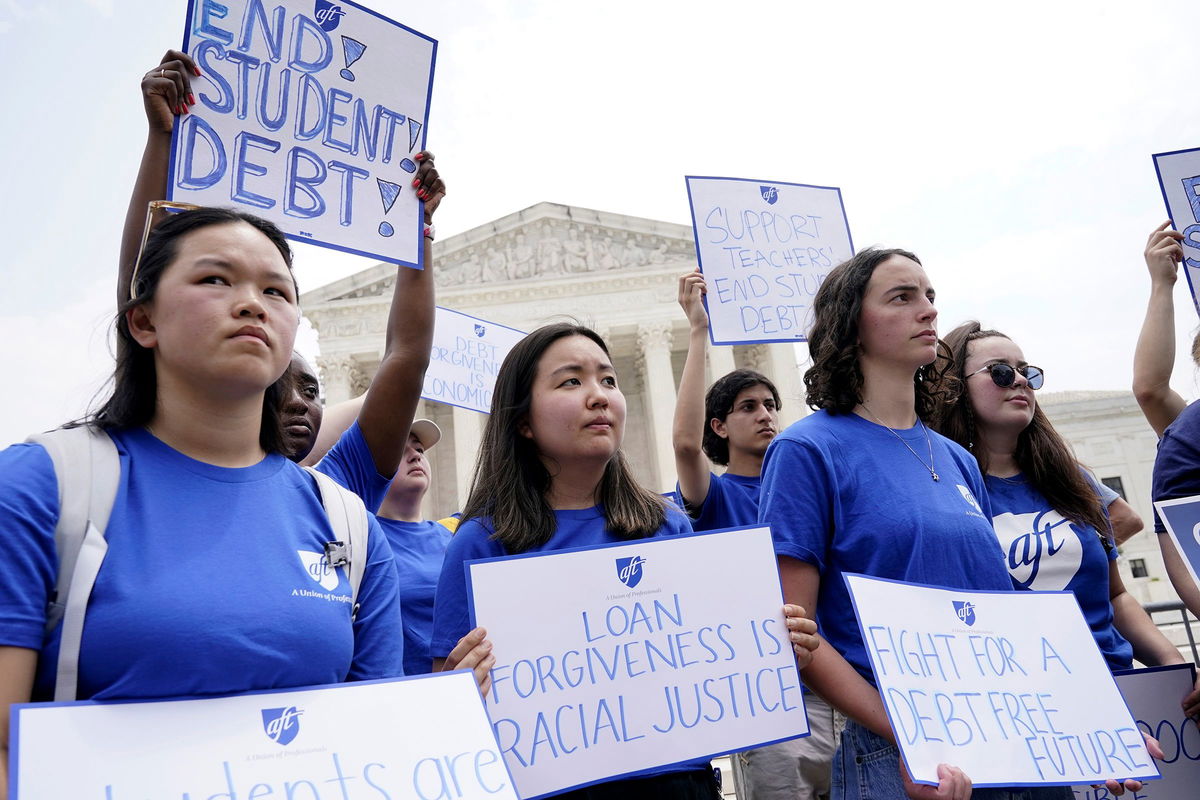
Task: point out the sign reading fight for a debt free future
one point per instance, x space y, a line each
422 738
1181 518
1009 686
308 113
625 657
1154 696
764 248
1179 179
466 356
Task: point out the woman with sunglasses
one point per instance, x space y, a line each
1046 510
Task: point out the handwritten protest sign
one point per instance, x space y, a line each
625 657
467 354
1179 179
308 114
764 248
425 737
1009 686
1181 518
1154 697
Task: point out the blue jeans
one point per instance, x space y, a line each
866 767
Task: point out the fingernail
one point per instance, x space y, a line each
416 183
185 110
419 156
191 99
197 71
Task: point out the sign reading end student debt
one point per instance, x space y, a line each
626 657
466 357
422 738
1009 686
764 248
309 113
1179 179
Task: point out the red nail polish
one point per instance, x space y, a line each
419 156
416 182
191 99
197 71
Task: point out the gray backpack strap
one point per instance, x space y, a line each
351 526
88 469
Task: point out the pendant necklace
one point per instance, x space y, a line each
932 473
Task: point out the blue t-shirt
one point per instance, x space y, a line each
349 462
732 501
1045 552
1177 467
575 528
843 494
419 548
212 583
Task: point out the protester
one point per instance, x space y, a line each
1046 511
1154 358
732 425
194 416
862 485
551 475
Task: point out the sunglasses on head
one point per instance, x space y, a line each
1005 375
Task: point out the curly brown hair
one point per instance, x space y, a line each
835 381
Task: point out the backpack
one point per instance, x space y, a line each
88 469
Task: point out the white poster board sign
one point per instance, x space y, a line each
1181 518
1154 696
1009 686
764 248
625 657
466 357
1179 180
423 737
308 113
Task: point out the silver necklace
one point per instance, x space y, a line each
932 473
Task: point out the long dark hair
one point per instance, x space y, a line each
1043 456
510 482
718 402
135 381
835 381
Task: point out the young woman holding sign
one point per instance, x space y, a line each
551 475
1046 510
863 486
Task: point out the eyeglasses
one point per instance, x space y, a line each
153 206
1005 375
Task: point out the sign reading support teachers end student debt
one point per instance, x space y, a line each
309 113
1179 179
467 354
420 738
625 657
1009 686
764 248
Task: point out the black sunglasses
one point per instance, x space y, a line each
1004 375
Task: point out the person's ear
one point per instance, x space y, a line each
141 326
718 427
523 428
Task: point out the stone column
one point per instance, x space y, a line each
658 388
339 374
720 361
468 434
782 369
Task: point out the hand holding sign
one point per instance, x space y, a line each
167 90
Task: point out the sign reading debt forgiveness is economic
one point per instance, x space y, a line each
625 657
1154 696
422 738
764 248
309 113
466 356
1009 686
1179 179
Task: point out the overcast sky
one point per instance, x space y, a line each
1008 145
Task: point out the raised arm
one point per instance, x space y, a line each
687 432
391 401
1154 358
166 93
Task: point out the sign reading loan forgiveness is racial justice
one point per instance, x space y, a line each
424 738
764 248
1179 179
1009 686
308 113
466 356
1154 697
624 657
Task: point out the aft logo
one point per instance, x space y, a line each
965 611
770 194
281 724
318 568
480 331
328 14
970 498
629 570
